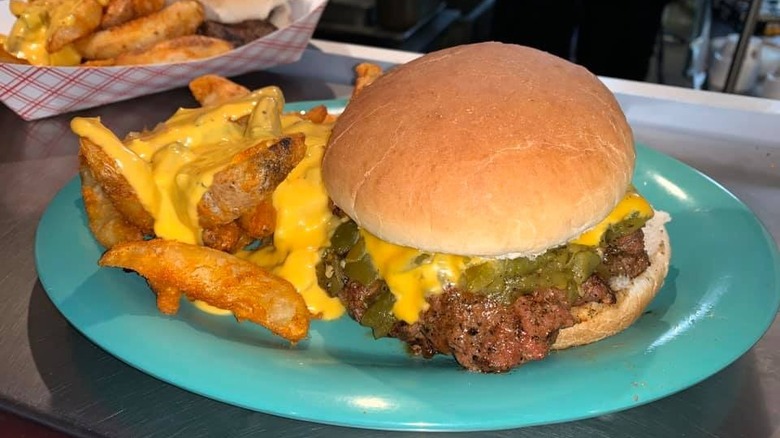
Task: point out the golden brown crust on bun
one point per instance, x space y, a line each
486 149
597 321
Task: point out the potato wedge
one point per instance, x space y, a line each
178 19
217 278
250 177
260 221
318 114
106 223
215 90
228 238
180 49
70 21
119 12
115 186
8 58
366 74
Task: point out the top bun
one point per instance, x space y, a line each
486 149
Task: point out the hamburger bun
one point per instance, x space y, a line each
236 11
407 158
493 151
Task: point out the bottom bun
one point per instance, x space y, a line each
597 321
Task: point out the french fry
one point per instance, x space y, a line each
122 195
217 278
251 176
180 49
228 238
106 223
70 21
260 221
366 74
8 58
178 19
98 63
119 12
215 90
318 114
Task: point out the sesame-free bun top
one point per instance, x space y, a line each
486 149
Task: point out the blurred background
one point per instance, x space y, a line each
686 43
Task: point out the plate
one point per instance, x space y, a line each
723 290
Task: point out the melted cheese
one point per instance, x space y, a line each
31 31
632 205
304 222
172 166
412 275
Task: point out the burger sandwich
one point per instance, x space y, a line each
487 210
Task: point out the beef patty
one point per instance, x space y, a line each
484 334
237 34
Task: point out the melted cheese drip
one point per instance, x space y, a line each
304 222
31 31
633 204
411 281
172 166
412 275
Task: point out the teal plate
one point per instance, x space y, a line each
711 310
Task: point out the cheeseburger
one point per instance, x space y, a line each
487 207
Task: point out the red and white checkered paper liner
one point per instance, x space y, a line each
38 92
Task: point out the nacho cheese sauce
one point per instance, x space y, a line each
412 275
172 166
304 222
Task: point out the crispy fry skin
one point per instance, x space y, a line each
106 223
121 11
366 74
71 21
115 186
178 19
168 297
180 49
8 58
98 63
215 90
252 175
260 221
228 238
219 279
318 114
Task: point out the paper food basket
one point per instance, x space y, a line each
38 92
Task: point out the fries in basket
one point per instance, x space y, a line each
99 33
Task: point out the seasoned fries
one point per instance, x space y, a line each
260 221
115 186
251 177
211 90
178 19
366 74
107 224
180 49
204 186
219 279
121 11
101 33
71 21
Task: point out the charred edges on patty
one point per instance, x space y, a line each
501 313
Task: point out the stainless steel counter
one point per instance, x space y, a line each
51 374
